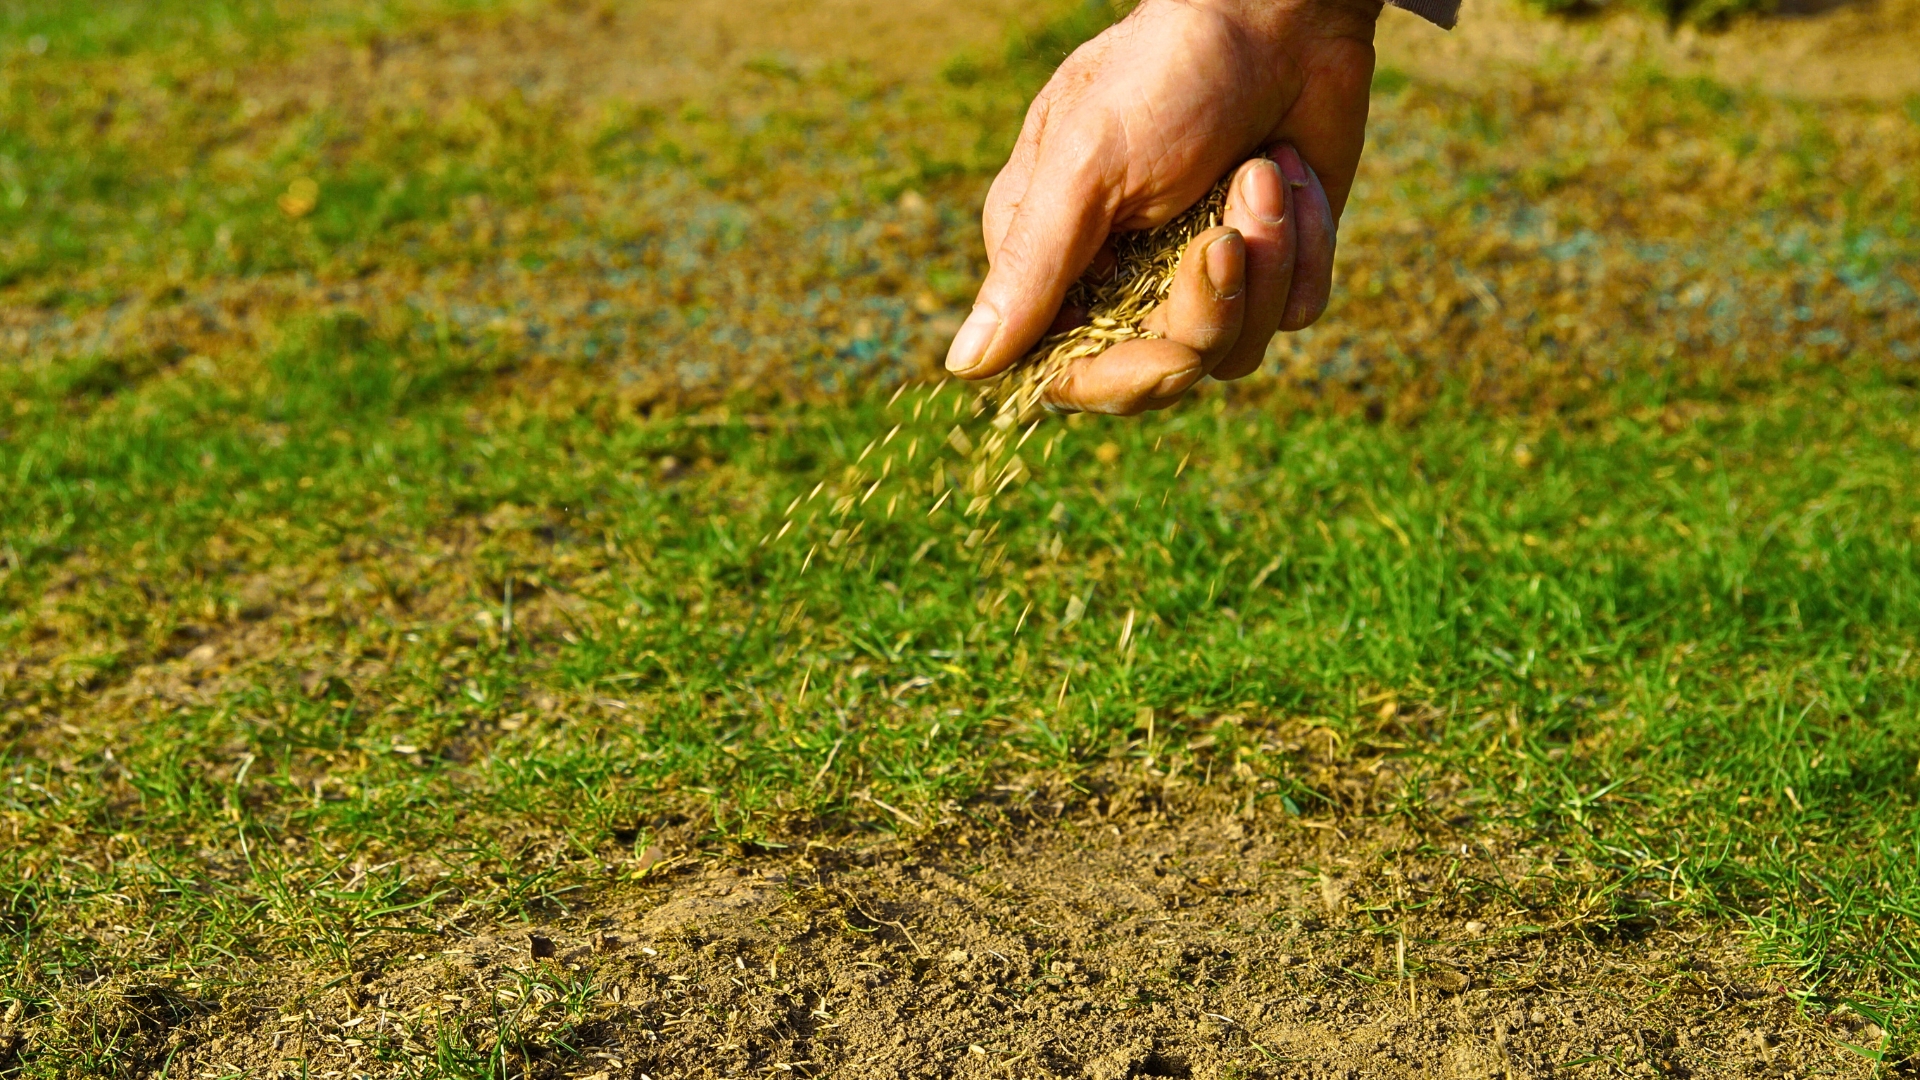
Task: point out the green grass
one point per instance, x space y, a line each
155 112
1683 656
314 641
95 162
222 29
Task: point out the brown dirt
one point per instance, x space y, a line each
1149 928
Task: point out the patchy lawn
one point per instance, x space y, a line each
455 508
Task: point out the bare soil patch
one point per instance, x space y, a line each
1125 928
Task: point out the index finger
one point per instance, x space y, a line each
1051 238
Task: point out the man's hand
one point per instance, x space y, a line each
1132 129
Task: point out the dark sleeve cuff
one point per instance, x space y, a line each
1441 13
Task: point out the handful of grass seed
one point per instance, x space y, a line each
1142 277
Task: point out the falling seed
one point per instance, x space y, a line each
1076 608
1028 434
1014 472
993 463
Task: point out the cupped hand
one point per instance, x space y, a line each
1133 128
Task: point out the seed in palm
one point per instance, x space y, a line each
1144 267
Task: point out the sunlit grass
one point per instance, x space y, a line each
1684 657
219 29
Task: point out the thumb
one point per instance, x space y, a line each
1052 236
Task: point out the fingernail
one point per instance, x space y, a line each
1227 266
1261 189
970 344
1289 161
1176 384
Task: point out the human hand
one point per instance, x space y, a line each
1136 126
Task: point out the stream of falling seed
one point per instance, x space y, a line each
1014 406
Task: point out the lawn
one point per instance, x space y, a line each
430 506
